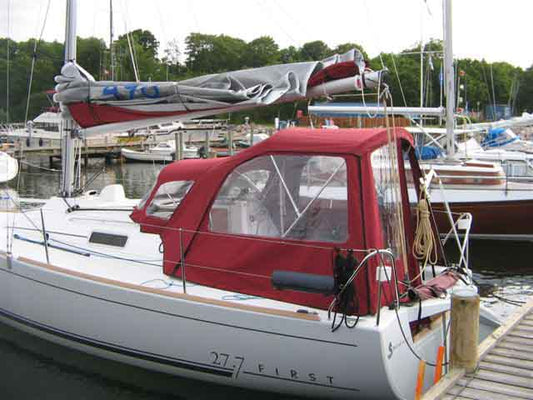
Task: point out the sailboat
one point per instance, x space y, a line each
287 267
500 207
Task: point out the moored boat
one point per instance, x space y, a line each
287 267
303 211
162 152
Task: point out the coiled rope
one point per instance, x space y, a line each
424 243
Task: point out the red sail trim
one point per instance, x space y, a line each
88 115
333 72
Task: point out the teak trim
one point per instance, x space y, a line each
183 296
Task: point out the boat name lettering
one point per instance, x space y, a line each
293 374
129 91
226 360
393 348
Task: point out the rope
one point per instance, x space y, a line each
424 243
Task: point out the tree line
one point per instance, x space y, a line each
479 83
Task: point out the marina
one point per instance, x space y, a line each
228 218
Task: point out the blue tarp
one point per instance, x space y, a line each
428 152
497 137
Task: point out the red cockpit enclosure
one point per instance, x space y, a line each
288 203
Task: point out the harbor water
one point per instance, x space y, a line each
31 368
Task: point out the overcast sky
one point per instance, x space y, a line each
492 29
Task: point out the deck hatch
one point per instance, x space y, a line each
108 239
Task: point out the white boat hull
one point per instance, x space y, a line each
221 344
118 304
151 156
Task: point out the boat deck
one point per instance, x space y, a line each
505 365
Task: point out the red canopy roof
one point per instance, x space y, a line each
238 254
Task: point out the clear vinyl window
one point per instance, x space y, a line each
302 197
387 185
167 198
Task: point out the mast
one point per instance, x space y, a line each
421 60
7 60
67 140
111 48
449 77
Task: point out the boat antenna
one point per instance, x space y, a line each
67 125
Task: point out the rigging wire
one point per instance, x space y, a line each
131 46
33 59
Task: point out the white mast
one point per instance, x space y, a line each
449 77
67 140
111 49
421 60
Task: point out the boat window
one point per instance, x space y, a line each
146 196
387 185
167 198
300 197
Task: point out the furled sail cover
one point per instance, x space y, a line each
127 105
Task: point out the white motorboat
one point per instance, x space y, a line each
162 152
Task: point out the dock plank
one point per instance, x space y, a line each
505 378
508 369
524 327
500 388
522 333
476 394
518 340
515 346
517 355
496 359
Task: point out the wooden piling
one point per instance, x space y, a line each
464 329
505 368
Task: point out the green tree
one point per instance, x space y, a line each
525 91
91 51
289 55
314 51
145 48
261 51
214 53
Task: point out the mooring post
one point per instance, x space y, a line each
177 148
86 158
230 142
464 329
207 144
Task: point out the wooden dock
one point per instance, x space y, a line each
108 149
505 368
